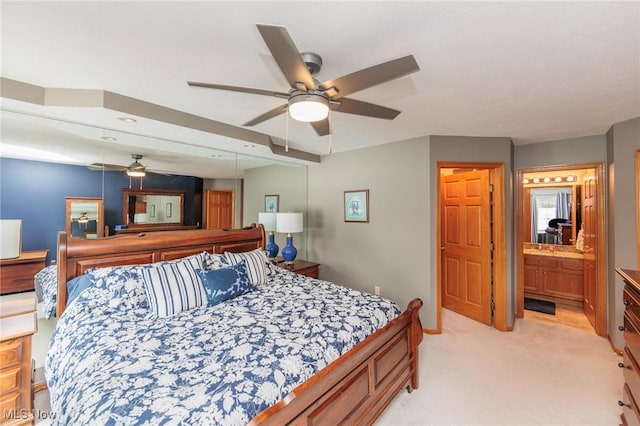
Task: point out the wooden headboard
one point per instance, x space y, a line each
77 255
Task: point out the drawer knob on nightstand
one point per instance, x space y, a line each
621 327
622 404
621 365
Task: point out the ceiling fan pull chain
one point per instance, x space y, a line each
286 135
330 132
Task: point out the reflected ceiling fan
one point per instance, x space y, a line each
308 99
135 169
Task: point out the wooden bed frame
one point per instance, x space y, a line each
354 389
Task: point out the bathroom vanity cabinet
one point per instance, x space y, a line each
555 275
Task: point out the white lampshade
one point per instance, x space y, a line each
268 220
289 222
10 238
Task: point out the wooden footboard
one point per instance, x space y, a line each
357 387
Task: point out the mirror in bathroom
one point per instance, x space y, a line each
552 202
553 215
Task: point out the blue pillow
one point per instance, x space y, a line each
225 283
77 286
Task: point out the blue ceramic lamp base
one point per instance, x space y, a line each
289 252
271 247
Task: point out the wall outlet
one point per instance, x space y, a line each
376 290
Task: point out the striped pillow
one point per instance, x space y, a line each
172 287
256 264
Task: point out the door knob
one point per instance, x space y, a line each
621 327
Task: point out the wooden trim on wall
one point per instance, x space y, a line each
496 173
638 208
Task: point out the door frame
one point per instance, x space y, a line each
496 177
206 205
601 288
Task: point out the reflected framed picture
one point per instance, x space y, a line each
271 203
168 212
356 206
152 210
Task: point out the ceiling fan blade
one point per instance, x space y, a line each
106 167
371 76
321 127
352 106
238 89
286 54
267 115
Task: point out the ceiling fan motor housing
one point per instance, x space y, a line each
313 61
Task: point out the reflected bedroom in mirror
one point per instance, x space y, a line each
85 217
152 209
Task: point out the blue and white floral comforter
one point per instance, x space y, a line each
111 362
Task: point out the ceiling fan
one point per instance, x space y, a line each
308 99
135 169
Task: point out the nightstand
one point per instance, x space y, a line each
18 322
303 267
16 275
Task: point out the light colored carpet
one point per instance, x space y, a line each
539 374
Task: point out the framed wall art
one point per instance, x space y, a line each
356 206
271 203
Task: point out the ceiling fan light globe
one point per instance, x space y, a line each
136 173
308 108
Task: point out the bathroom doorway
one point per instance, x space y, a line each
561 239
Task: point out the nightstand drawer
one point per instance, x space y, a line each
302 267
11 404
11 353
10 379
311 272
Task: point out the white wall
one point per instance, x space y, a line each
392 250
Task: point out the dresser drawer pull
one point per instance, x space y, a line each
627 303
622 404
621 327
621 365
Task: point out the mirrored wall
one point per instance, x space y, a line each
103 155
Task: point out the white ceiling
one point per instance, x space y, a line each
532 71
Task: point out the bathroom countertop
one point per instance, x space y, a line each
557 253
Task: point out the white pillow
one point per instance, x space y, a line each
172 287
256 264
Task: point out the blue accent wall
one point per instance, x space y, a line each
35 192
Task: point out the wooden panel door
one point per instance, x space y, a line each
219 209
466 244
590 223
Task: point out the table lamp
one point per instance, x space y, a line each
268 221
290 223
